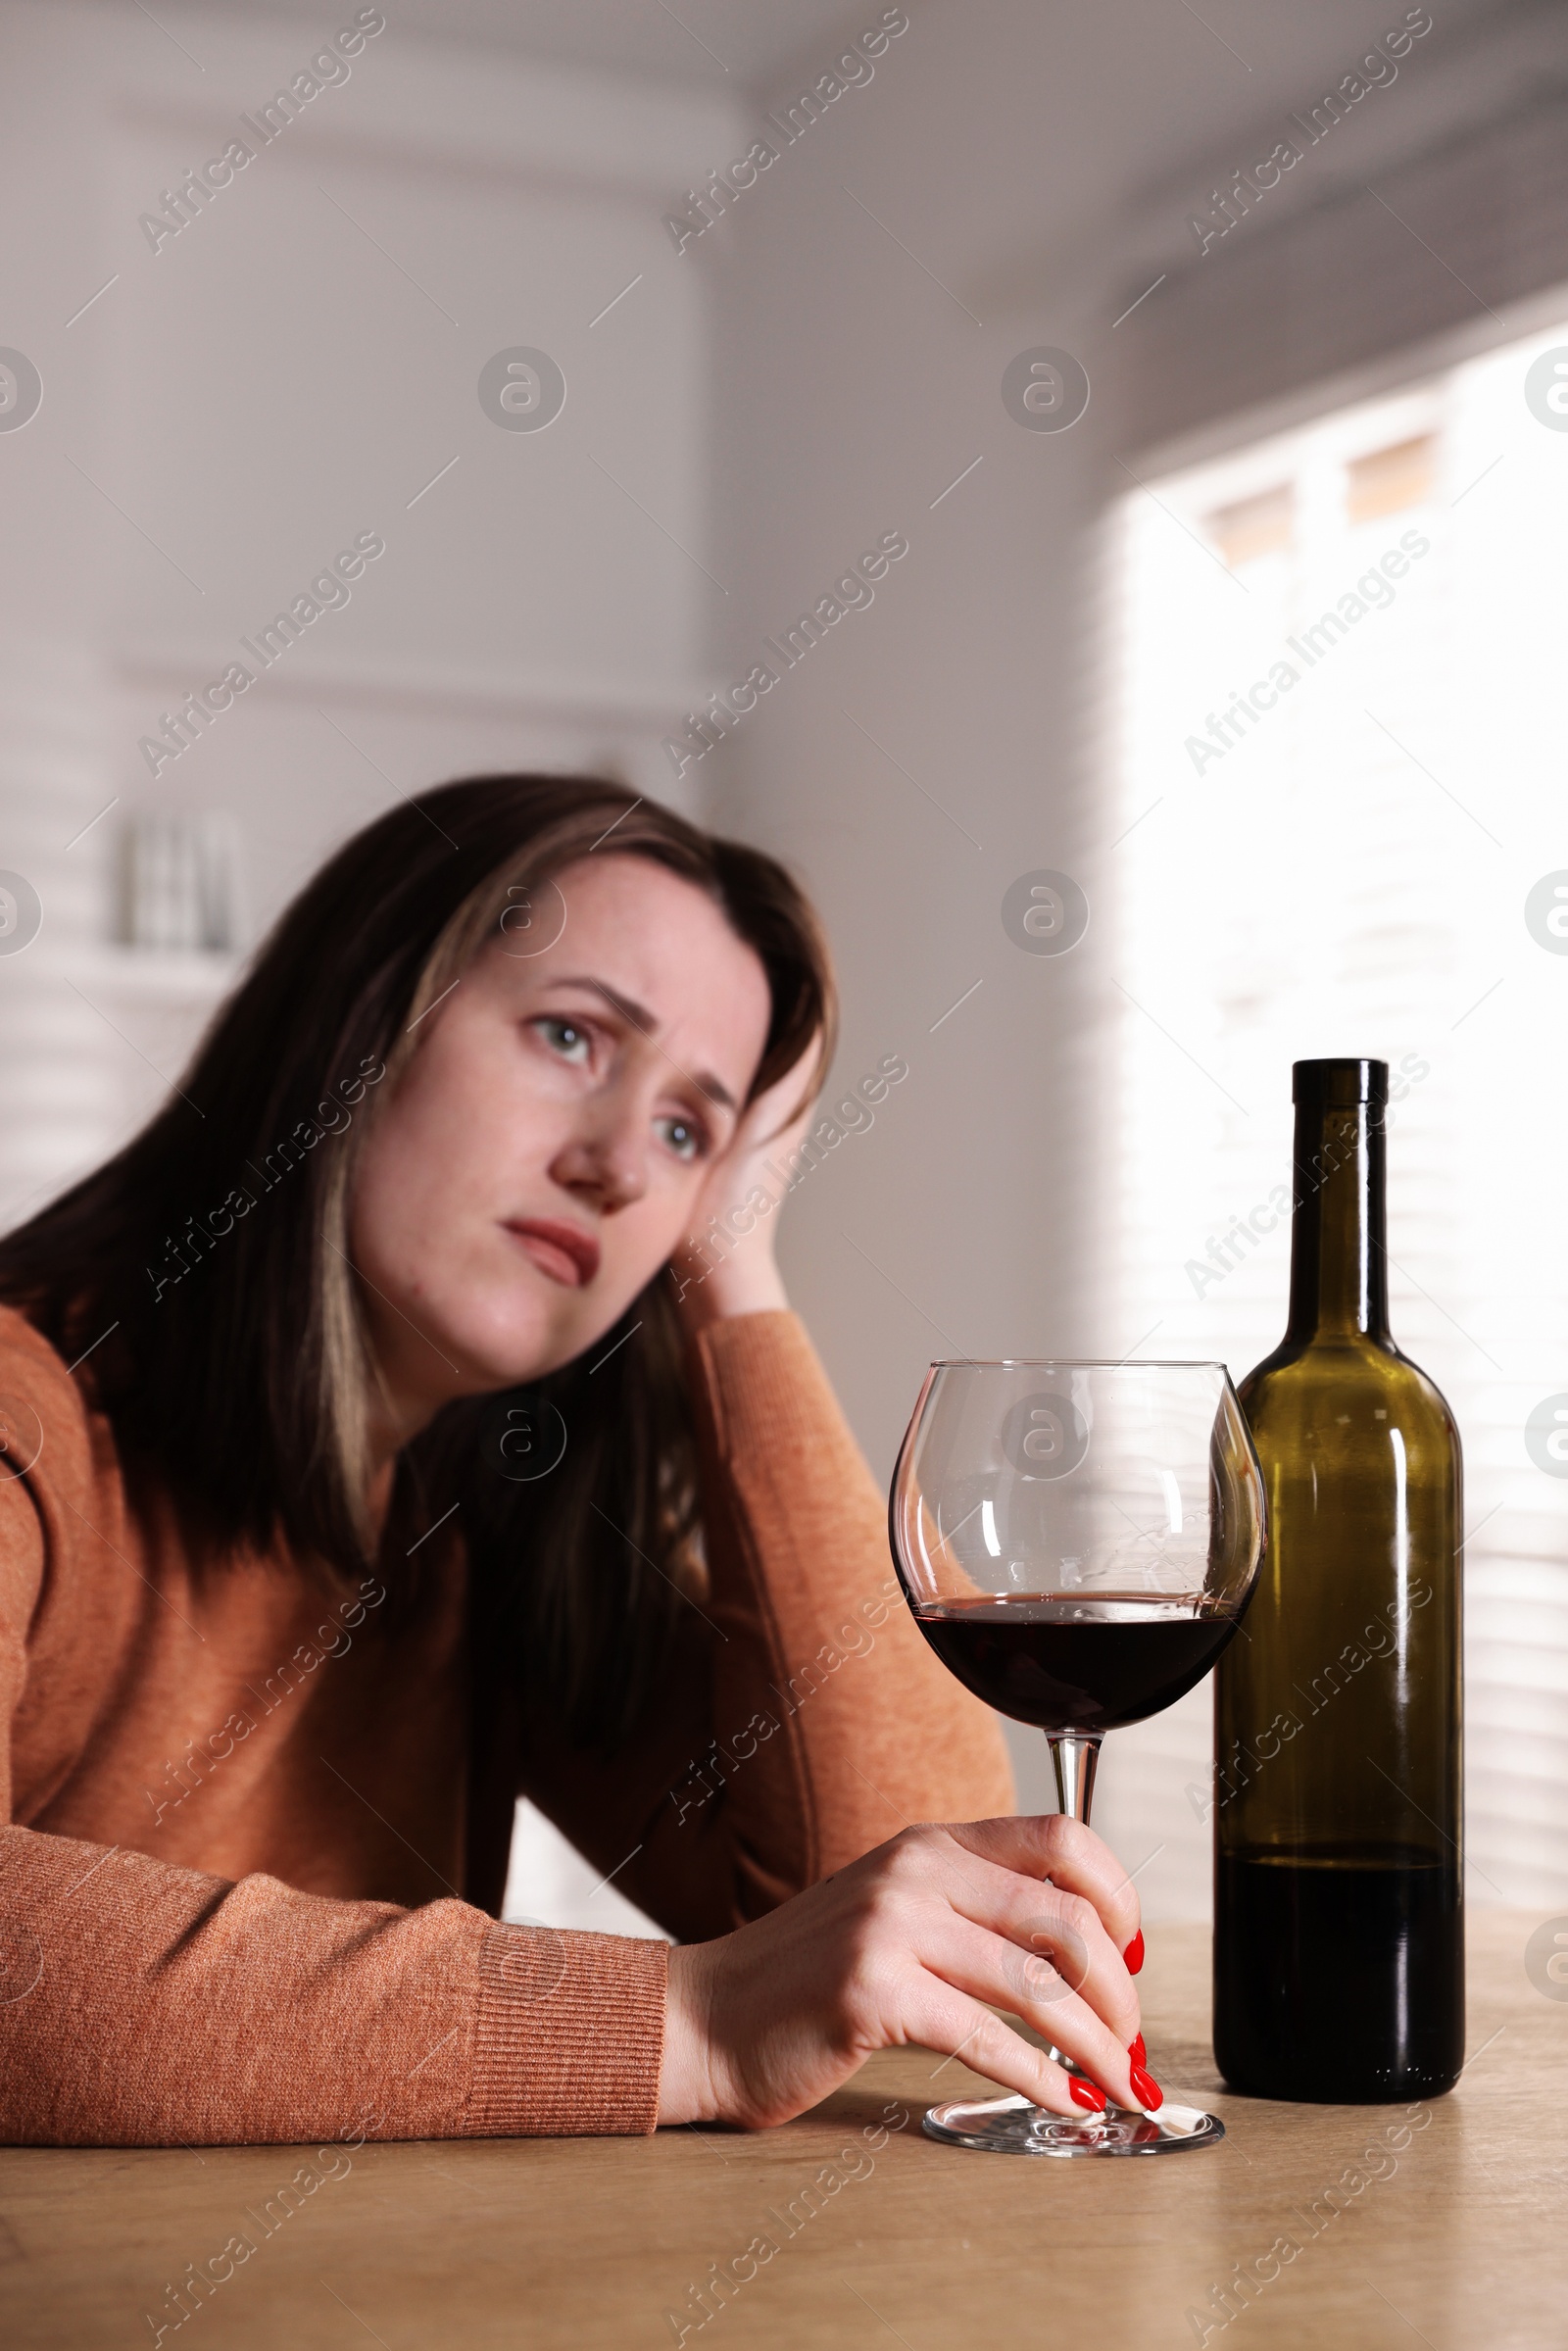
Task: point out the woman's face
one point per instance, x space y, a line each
543 1153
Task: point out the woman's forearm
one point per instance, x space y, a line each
170 2007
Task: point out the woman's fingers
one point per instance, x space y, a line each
780 1115
1018 1942
774 1123
940 2016
993 1968
1061 1934
1053 1845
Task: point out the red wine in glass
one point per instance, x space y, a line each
1075 1662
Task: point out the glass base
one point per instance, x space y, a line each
1014 2127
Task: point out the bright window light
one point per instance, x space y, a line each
1338 767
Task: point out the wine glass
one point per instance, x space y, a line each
1077 1543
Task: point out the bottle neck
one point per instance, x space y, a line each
1339 1267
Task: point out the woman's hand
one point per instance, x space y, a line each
915 1942
736 1271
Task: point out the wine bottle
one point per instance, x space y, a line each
1339 1952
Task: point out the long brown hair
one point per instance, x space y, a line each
205 1265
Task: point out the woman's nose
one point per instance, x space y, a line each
609 1162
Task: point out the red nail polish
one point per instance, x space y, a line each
1145 2090
1137 2052
1132 1956
1086 2093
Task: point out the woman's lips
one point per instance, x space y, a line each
564 1251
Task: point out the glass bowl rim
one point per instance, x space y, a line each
1076 1364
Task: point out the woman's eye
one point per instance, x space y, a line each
681 1137
566 1038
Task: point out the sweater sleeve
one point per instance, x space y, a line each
805 1721
143 2004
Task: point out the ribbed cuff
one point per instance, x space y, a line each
570 2037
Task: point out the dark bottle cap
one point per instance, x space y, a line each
1338 1084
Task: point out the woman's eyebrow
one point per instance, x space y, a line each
643 1021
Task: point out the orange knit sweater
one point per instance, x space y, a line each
257 1841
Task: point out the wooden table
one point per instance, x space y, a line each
1459 2241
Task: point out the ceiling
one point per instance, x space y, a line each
1042 126
1152 74
703 44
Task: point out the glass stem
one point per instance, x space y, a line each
1074 1755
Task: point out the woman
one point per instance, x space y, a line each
371 1463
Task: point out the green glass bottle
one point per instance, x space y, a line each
1338 1950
